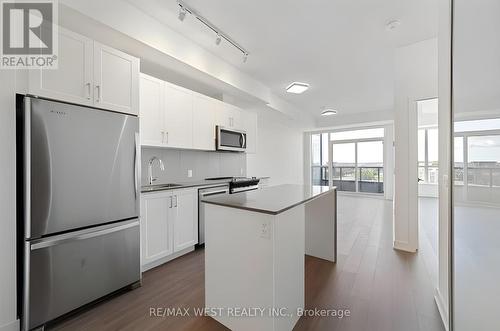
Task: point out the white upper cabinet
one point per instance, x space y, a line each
172 116
116 80
204 123
186 218
151 111
229 116
72 81
90 74
249 120
178 116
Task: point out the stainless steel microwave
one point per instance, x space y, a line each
230 139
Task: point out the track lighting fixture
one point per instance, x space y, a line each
184 9
182 14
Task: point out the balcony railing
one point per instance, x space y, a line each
368 179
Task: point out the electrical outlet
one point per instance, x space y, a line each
265 230
190 173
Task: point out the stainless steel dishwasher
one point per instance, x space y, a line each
202 193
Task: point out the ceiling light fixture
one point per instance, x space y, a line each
297 88
392 25
183 9
182 14
328 112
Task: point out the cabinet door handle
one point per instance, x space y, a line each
98 97
87 90
170 202
162 137
166 134
175 196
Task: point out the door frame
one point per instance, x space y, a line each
413 212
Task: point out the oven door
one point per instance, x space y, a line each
231 140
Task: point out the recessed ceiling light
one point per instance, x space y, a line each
328 112
297 87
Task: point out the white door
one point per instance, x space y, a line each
204 123
116 80
72 80
151 111
156 226
178 117
186 219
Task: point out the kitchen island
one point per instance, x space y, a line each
254 253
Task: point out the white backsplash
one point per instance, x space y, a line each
203 164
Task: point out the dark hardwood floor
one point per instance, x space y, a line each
384 289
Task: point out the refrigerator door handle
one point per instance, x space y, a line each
27 167
137 165
81 235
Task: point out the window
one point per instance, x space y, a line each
370 163
357 160
483 164
428 154
344 164
319 159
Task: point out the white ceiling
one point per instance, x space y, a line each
340 47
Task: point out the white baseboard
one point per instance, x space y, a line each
442 308
403 246
12 326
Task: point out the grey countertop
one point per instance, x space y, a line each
270 200
181 185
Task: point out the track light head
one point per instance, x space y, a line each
218 39
182 14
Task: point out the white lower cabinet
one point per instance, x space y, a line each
169 225
185 219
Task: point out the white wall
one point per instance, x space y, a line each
7 202
354 119
416 79
280 152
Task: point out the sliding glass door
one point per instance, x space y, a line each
358 165
353 160
476 166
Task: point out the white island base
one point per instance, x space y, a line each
254 255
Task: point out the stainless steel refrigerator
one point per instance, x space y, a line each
78 192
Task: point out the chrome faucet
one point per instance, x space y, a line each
150 169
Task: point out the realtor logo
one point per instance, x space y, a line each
29 34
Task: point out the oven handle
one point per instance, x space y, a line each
214 193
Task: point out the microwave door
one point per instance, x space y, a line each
232 140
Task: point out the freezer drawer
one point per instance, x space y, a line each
71 270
